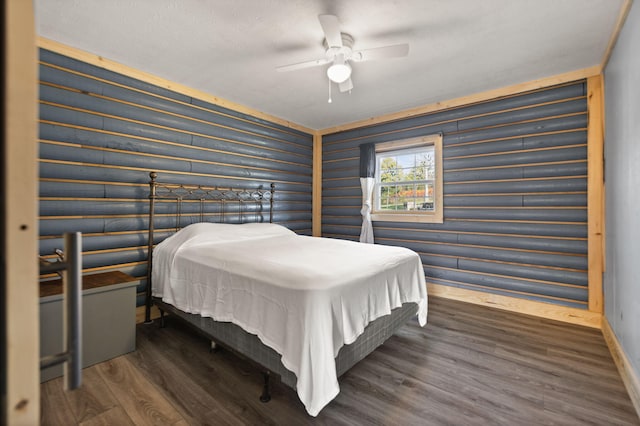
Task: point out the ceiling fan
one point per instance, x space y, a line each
339 52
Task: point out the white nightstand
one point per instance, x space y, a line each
108 319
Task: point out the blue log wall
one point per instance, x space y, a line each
101 133
515 194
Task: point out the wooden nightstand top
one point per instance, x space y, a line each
91 281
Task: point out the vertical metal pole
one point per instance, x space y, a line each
273 190
152 198
266 388
257 215
72 282
178 213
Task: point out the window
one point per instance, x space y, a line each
408 178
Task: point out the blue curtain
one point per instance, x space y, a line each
368 160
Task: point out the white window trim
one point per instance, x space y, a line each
436 216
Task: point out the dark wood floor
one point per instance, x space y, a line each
470 365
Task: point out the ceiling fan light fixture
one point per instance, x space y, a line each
339 72
339 53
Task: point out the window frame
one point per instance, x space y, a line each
435 216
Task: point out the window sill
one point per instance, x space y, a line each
408 217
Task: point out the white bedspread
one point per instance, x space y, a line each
305 297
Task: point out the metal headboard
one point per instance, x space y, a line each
202 195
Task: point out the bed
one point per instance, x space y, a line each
304 308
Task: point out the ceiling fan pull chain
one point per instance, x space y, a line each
329 101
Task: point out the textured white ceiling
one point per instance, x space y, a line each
230 49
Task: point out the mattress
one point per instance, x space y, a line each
304 297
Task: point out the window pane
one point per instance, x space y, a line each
406 160
390 199
406 197
409 201
406 180
416 165
390 170
426 197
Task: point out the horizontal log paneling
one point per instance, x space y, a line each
523 100
515 194
101 133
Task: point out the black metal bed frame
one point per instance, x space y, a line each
229 335
203 195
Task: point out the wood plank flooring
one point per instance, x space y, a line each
470 365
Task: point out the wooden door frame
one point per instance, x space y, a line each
21 351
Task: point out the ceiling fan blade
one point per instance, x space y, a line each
331 28
394 51
346 85
301 65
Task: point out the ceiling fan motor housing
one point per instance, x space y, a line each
339 53
345 49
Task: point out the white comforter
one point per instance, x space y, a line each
304 297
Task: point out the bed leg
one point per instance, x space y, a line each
162 324
266 390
